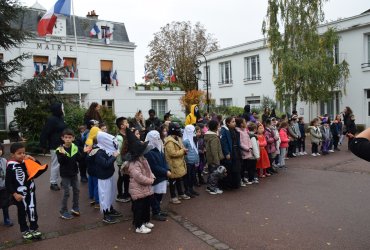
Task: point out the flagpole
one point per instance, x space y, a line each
77 58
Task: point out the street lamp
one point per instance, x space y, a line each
199 75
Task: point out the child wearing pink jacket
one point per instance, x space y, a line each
284 144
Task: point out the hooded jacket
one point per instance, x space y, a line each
141 179
245 143
50 137
175 152
213 148
191 119
316 136
69 161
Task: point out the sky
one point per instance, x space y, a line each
231 22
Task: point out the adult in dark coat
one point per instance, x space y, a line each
92 114
230 144
51 139
247 112
152 123
360 145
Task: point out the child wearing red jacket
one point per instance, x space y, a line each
283 132
263 162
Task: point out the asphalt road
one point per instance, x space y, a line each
316 203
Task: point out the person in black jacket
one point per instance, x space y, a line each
68 158
152 123
159 167
360 145
51 139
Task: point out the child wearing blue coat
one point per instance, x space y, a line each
191 159
158 165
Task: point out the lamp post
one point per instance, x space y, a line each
199 73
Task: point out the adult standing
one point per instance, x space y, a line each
138 124
265 115
51 139
347 112
230 143
92 114
153 122
360 145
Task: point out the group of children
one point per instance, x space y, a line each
234 154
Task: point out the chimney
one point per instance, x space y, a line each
92 15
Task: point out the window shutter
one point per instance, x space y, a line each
106 65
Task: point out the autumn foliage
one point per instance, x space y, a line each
192 97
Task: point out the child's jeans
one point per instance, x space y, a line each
66 183
93 188
282 156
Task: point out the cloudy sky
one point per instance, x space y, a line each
231 22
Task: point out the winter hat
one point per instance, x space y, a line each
174 129
136 148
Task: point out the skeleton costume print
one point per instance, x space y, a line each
17 181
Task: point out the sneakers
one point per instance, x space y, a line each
249 183
159 217
242 184
36 234
331 151
143 230
54 187
149 225
317 154
190 195
304 153
219 191
75 211
175 201
66 215
97 206
27 235
255 181
114 213
314 155
212 191
8 223
184 197
109 220
121 198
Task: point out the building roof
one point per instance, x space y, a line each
38 6
30 18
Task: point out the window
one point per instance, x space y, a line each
368 94
2 117
368 49
227 102
252 68
205 77
160 107
336 53
109 104
106 32
1 57
225 73
40 64
70 65
253 101
105 71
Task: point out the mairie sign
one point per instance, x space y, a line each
59 85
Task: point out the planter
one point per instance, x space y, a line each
176 88
140 88
154 88
166 89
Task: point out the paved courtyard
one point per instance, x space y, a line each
316 203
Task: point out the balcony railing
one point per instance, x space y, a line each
225 82
253 78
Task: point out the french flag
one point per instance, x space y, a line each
47 22
95 30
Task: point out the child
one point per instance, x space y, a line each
22 188
214 156
293 133
252 160
326 137
263 162
316 136
284 143
336 131
175 153
199 140
68 157
103 127
123 178
191 159
93 180
271 139
104 159
302 139
159 167
80 142
4 195
141 180
246 147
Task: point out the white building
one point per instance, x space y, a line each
242 74
96 59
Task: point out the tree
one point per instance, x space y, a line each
12 35
192 97
302 59
177 45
